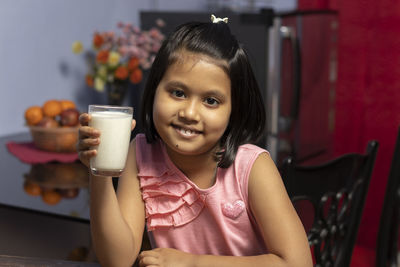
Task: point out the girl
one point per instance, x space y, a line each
208 196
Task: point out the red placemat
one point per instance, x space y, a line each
28 153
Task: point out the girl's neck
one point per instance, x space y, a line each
200 169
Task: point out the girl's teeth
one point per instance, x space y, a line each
186 132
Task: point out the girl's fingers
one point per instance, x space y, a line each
87 153
87 143
85 156
88 138
86 131
148 253
84 119
148 258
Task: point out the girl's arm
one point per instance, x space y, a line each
280 225
117 220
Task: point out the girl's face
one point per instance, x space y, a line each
192 104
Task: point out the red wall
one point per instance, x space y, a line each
368 90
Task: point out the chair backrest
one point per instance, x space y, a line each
387 241
335 193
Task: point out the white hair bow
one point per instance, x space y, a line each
214 19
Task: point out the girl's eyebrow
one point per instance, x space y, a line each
217 94
212 92
177 84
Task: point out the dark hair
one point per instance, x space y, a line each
247 119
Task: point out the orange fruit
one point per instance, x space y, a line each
52 108
66 104
32 188
51 197
67 142
33 115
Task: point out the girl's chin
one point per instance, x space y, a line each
184 150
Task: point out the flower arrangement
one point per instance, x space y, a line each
120 59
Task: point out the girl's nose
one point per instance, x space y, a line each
189 112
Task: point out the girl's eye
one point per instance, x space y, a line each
177 93
211 101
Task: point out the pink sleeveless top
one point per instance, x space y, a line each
180 215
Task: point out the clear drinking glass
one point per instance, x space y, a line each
114 124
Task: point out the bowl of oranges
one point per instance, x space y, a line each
54 125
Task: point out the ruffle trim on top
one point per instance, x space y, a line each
170 201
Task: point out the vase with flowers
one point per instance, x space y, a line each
117 61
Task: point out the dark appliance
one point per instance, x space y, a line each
294 58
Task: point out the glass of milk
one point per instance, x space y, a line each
114 124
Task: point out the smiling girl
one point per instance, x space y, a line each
207 194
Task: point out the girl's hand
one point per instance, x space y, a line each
165 257
88 138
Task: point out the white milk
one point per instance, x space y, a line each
115 132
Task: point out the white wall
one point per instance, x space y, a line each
36 62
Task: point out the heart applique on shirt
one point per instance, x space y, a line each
233 210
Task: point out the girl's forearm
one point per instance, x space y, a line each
112 238
251 261
174 257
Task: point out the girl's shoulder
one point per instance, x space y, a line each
249 151
246 156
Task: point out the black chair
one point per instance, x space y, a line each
387 241
329 199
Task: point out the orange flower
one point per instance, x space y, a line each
102 56
136 76
133 63
121 73
98 40
89 80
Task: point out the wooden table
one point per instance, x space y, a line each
12 261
